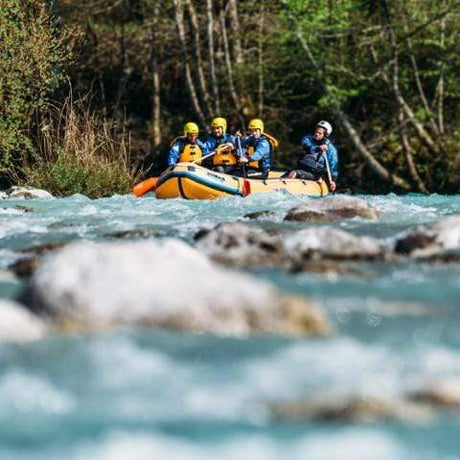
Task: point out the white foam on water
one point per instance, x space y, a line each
351 444
119 363
25 393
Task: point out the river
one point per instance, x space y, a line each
143 394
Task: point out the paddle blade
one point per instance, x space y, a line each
146 186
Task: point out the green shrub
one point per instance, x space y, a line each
30 55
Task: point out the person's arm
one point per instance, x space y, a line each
206 146
262 150
174 153
231 139
333 161
306 143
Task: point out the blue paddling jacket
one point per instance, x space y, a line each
312 147
211 142
178 147
259 151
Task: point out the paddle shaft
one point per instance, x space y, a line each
204 158
240 154
328 169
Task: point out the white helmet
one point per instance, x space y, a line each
326 125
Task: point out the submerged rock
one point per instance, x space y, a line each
19 325
445 393
332 208
333 244
27 193
260 215
241 245
328 268
438 240
136 233
164 284
24 268
351 409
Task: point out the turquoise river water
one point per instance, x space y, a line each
146 394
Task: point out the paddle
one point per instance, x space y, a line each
240 154
145 186
328 169
206 156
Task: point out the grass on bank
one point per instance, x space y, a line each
78 152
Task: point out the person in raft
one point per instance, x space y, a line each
312 162
257 149
187 147
224 160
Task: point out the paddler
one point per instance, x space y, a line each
319 154
186 148
258 147
224 160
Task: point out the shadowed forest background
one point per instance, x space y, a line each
92 91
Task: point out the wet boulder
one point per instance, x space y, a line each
19 325
164 284
355 409
241 245
432 241
16 192
331 209
443 393
317 243
260 215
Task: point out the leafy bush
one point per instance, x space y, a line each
30 56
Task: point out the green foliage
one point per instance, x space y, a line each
30 54
69 175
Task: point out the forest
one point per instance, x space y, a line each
93 91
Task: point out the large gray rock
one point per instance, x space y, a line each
26 193
241 245
437 239
330 243
163 284
332 208
19 325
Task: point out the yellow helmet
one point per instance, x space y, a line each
219 123
256 123
191 128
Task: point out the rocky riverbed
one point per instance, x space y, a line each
285 322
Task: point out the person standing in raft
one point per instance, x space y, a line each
311 164
186 148
224 160
258 147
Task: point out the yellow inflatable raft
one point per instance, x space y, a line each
194 182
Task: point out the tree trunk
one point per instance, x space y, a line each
156 101
260 53
440 85
229 67
409 157
235 28
210 30
179 18
199 61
